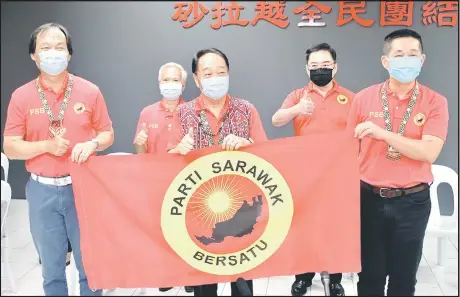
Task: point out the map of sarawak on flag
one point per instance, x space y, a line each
281 207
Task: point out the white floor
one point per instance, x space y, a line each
432 279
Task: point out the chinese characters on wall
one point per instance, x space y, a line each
392 13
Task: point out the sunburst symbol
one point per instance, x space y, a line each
217 200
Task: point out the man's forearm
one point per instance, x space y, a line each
421 150
284 116
19 149
105 139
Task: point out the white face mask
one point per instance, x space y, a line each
215 87
171 90
53 62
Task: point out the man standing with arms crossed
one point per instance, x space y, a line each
154 128
53 120
321 106
402 126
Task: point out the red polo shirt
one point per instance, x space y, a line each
330 113
85 115
429 117
159 122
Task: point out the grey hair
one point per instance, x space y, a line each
172 64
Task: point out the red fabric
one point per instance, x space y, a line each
126 238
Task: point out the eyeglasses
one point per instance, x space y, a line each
317 66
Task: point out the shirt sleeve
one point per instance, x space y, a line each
291 100
176 136
438 119
257 132
141 120
15 118
100 119
354 115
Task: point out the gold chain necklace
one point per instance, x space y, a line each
55 122
393 154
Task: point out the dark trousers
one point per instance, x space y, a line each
211 290
392 233
335 278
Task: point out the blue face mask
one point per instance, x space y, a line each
53 62
405 69
215 87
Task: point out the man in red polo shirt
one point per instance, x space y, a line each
53 120
321 106
154 128
402 127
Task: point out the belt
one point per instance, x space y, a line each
52 181
395 192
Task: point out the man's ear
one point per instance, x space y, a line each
197 81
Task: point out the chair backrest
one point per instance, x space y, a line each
5 166
442 174
119 154
6 201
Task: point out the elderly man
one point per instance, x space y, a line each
53 120
323 106
218 118
155 122
154 128
402 126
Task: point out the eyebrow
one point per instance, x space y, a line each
327 61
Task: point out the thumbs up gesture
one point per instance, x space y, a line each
305 105
186 144
142 136
58 145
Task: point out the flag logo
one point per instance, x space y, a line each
226 213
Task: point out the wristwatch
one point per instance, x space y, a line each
94 140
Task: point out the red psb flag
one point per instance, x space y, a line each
282 207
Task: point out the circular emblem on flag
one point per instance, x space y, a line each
342 99
419 119
226 213
79 108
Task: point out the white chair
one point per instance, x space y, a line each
6 201
5 166
438 225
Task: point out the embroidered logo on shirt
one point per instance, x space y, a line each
37 111
342 99
154 126
376 114
79 108
419 119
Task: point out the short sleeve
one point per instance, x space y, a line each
354 115
16 117
142 119
176 136
291 100
438 119
100 119
257 131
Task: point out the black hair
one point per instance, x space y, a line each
401 33
45 27
203 52
321 47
